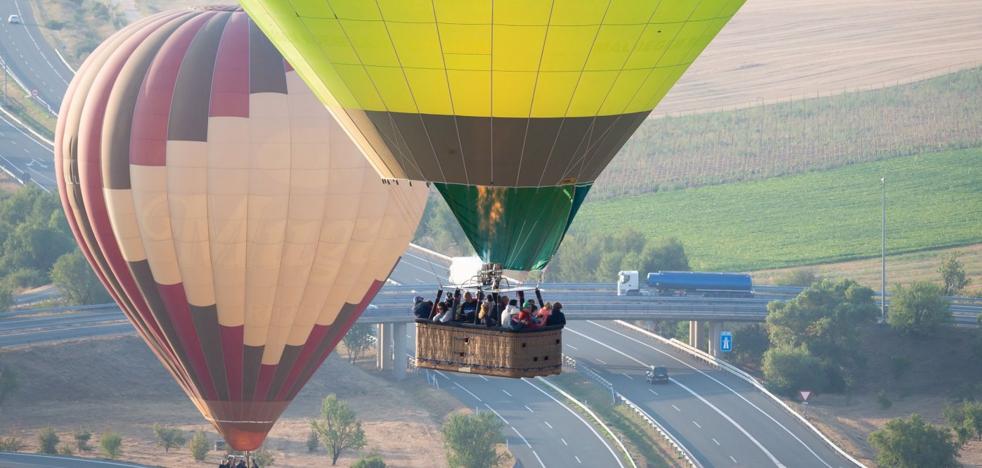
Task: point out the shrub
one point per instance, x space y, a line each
789 371
48 441
82 440
65 449
199 445
312 442
470 439
883 400
913 443
373 461
111 444
263 457
11 444
918 309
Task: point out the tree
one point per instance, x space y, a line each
750 343
74 277
952 274
48 441
199 445
338 427
965 419
918 309
6 297
787 371
111 444
470 440
373 461
82 438
169 437
35 246
913 443
358 340
825 320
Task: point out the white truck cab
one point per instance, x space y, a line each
627 283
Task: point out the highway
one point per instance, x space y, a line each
722 419
30 57
26 153
28 460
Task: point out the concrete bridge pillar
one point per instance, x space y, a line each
695 334
383 347
399 350
715 328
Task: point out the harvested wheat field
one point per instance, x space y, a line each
782 49
116 384
906 268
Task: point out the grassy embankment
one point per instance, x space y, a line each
933 201
26 109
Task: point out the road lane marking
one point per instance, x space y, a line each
734 459
547 424
652 391
521 436
468 392
676 408
564 441
527 407
543 465
628 376
715 441
578 459
602 440
506 393
483 378
697 424
691 392
502 418
574 348
775 421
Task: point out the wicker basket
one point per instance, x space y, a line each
489 351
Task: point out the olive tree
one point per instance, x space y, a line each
918 309
470 440
338 427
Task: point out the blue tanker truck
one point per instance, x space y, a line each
686 283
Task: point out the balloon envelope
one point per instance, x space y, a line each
533 96
234 221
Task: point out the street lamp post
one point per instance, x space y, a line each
883 249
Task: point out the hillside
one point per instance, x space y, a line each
792 137
934 200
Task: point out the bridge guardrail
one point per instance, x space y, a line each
719 363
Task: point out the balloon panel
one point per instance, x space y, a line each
519 228
232 218
479 92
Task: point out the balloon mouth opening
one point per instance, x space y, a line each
244 437
218 8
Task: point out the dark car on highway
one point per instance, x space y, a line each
658 375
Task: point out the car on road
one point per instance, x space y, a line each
657 374
14 19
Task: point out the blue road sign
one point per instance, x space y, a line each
725 341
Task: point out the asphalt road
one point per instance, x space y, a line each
25 460
26 153
722 419
30 57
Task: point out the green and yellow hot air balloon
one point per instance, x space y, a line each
512 108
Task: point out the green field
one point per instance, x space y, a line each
933 200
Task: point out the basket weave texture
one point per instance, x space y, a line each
489 351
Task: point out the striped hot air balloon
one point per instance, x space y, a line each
229 215
512 107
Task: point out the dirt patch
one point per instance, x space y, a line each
918 266
118 385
